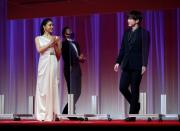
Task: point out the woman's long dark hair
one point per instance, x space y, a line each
43 23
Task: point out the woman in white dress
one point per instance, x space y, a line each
47 97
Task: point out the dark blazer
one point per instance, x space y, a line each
134 49
72 69
69 54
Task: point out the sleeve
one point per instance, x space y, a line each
121 51
66 54
78 48
145 47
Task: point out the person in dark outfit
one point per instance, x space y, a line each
72 71
133 58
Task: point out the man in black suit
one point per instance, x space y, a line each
133 58
72 71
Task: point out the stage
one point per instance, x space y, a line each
90 124
98 27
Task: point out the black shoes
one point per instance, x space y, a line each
130 119
134 110
75 118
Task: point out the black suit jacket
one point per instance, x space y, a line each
69 55
134 49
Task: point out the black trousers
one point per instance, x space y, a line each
131 78
73 80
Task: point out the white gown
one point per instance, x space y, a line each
47 94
